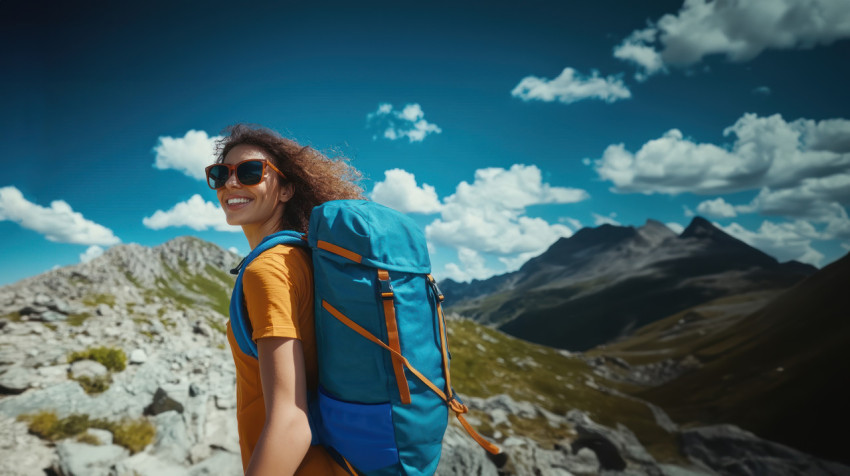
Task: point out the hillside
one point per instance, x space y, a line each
604 282
773 362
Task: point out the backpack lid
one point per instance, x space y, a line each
383 237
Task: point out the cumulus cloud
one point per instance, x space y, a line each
58 222
196 213
768 151
739 30
784 241
472 266
399 190
91 253
488 215
395 124
189 154
571 86
718 208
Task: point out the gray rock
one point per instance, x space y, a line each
162 402
88 368
172 442
80 459
103 436
15 380
617 449
51 316
138 356
220 463
146 464
731 450
22 454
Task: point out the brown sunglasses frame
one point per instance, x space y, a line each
231 170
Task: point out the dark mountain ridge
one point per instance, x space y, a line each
603 282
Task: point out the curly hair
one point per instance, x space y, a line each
315 178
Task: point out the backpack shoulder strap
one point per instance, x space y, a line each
239 322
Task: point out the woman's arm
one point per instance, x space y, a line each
286 435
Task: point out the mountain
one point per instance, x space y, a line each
121 366
603 282
772 362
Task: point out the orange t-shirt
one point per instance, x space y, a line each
278 289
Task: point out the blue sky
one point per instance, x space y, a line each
499 127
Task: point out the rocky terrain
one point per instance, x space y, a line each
120 366
603 283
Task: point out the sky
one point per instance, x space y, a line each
499 127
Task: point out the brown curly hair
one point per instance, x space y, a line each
315 178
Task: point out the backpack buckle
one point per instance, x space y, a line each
386 289
433 283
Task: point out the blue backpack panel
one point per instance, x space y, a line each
384 385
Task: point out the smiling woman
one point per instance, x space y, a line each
266 183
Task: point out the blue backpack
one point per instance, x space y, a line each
384 385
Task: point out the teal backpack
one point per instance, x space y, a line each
384 383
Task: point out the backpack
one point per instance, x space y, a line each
384 383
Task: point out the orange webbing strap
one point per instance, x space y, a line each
444 345
338 250
453 403
363 332
348 466
392 336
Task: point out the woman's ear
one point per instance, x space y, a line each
286 192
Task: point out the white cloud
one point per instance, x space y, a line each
605 220
59 222
571 86
762 90
91 253
189 154
767 152
472 266
718 208
195 213
409 122
399 190
676 227
846 246
740 30
637 48
784 241
488 216
233 250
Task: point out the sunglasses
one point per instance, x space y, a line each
248 172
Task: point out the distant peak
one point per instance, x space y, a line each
701 228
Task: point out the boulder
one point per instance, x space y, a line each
88 368
731 450
15 380
138 356
80 459
162 403
617 449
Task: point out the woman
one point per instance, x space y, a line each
265 184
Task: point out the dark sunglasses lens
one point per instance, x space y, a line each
217 176
250 173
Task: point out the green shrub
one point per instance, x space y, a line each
89 439
78 318
132 434
94 385
111 358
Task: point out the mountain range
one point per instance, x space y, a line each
602 283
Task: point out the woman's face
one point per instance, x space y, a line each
260 205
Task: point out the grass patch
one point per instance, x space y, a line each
89 439
112 358
14 316
77 319
486 362
217 325
93 300
94 385
133 434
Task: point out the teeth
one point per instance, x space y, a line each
235 201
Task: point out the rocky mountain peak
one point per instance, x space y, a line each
702 228
654 232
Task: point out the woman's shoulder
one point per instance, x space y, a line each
288 260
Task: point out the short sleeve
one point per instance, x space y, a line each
274 285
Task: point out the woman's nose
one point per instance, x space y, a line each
232 182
